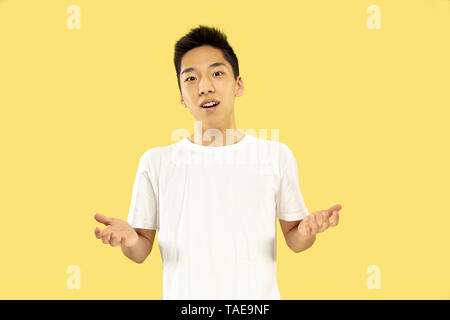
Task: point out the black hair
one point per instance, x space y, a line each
203 35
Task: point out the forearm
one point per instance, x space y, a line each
139 251
298 242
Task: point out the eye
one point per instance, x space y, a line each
218 71
187 79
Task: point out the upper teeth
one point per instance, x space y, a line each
209 104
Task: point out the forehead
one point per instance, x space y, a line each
202 57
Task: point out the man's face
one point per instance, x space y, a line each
205 74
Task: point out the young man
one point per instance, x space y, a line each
214 196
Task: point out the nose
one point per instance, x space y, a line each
205 86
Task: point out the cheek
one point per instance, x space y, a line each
189 98
227 93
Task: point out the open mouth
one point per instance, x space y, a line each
210 105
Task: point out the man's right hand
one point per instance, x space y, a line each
116 233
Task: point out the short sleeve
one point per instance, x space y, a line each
290 204
143 211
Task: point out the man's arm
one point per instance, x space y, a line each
136 243
300 235
294 239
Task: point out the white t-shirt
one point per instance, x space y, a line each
215 210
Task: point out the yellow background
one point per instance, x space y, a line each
365 112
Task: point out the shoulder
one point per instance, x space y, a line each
273 146
277 149
278 152
286 158
153 156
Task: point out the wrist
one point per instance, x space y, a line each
300 241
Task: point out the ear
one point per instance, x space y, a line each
239 87
182 100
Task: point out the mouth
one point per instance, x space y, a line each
210 106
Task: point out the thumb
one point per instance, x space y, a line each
333 210
335 207
102 219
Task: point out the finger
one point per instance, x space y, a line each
305 228
115 240
97 232
331 211
336 207
103 235
325 223
334 220
106 235
319 219
102 219
313 225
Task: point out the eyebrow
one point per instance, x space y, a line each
212 65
